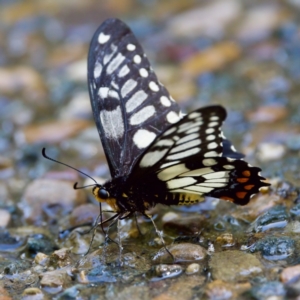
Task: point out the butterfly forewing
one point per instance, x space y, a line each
131 108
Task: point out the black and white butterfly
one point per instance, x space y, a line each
155 154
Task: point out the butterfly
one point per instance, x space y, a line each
155 153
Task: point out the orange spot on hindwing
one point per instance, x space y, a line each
242 180
241 195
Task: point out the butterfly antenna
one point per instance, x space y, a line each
161 237
59 162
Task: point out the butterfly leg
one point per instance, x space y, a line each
161 237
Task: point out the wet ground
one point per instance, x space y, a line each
244 55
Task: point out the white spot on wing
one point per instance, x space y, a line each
128 86
212 124
169 164
113 94
135 100
97 70
103 38
188 138
180 182
124 71
143 72
172 117
107 57
151 158
184 154
112 121
137 59
209 162
194 114
131 47
115 63
186 146
165 101
210 137
172 172
229 167
211 154
103 92
164 143
199 189
212 145
153 86
142 115
216 175
198 172
209 130
143 138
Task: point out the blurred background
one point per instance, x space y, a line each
243 55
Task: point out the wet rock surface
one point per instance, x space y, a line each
242 55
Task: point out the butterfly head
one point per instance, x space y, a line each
102 195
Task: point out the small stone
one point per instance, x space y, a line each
4 218
211 59
55 281
274 248
32 293
169 216
181 252
268 290
268 114
226 240
192 269
270 151
85 213
167 271
209 19
276 217
50 197
234 265
41 259
219 289
260 21
290 274
52 132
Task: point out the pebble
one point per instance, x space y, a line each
220 290
32 293
234 265
290 274
52 132
274 248
181 252
276 217
192 269
212 59
260 21
53 197
270 151
54 282
226 240
209 19
168 271
268 290
25 80
268 114
41 259
5 218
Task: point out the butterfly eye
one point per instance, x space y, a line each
103 194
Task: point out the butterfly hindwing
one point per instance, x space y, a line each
131 108
187 162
